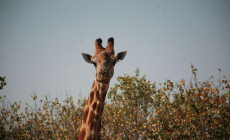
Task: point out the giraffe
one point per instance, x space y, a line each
104 61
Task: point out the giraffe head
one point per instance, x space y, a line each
104 60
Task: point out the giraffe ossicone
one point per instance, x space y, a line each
104 61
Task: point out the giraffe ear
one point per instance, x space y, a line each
87 58
121 55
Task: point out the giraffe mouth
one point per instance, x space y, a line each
104 80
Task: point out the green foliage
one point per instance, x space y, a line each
45 120
3 82
136 109
127 116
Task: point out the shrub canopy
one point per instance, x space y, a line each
136 109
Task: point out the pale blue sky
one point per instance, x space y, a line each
41 41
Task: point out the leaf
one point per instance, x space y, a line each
165 88
182 82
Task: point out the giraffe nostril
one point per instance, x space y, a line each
103 73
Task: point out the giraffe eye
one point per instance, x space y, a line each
114 62
95 64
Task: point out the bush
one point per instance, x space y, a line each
136 109
3 82
46 120
140 110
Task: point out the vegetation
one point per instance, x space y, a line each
3 82
136 109
140 110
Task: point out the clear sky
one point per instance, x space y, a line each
41 42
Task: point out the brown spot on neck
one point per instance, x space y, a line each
91 121
103 95
82 134
85 115
91 97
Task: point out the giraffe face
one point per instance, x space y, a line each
104 64
104 60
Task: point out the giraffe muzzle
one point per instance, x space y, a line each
104 73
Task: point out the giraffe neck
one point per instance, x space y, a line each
91 122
